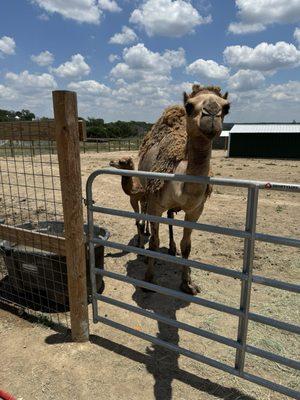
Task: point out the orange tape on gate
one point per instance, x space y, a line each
6 396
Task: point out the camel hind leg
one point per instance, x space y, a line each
187 285
153 241
135 205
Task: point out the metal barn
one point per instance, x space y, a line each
221 142
265 141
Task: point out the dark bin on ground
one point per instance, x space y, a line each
44 273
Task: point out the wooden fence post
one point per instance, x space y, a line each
68 151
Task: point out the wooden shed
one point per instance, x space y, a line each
278 140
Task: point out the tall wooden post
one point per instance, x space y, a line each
68 151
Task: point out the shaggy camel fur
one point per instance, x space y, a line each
180 142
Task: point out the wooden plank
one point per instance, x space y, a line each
68 151
34 130
33 239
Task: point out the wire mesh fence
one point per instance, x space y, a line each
110 144
33 273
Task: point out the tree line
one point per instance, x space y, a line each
96 127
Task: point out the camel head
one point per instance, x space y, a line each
205 110
123 163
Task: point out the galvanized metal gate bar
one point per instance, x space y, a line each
252 203
246 277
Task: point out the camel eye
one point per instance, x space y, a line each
226 109
189 108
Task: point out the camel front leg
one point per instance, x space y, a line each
154 238
136 208
144 211
154 246
172 244
185 245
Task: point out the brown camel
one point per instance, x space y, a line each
180 142
133 188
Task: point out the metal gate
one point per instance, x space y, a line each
245 276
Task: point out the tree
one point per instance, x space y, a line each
23 115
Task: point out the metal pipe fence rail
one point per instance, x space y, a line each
246 276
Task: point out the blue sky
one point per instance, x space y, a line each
130 59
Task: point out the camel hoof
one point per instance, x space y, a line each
189 288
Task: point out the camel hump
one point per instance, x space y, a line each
167 126
169 133
173 116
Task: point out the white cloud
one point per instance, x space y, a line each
89 87
113 57
43 59
78 10
141 63
245 79
7 93
281 102
176 58
29 91
109 5
126 37
25 80
287 91
242 27
7 45
297 36
70 69
208 69
264 57
255 15
168 18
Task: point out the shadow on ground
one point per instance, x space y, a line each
160 362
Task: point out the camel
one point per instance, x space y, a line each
180 142
133 188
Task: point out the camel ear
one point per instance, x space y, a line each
225 96
185 98
189 108
226 109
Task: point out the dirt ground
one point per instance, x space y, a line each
38 362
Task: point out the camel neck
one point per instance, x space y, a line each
127 184
198 155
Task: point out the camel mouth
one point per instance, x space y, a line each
210 128
113 164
